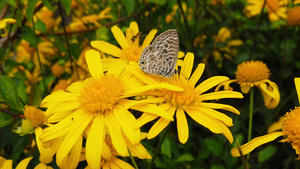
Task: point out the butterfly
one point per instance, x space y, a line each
160 57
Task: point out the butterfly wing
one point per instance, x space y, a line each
152 61
168 45
161 56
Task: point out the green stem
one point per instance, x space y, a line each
132 160
250 115
162 139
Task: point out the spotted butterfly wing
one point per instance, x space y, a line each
160 57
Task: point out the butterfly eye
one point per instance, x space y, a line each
143 62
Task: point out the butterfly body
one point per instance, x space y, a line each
160 57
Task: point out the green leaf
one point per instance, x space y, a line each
12 3
41 26
102 33
266 153
35 95
48 5
5 119
158 2
22 92
30 9
185 158
9 93
215 146
29 36
130 6
67 6
166 148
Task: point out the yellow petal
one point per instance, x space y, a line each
95 141
153 109
23 164
145 118
106 152
197 74
65 126
149 38
277 125
119 36
75 87
126 121
116 67
106 48
73 157
150 87
121 164
79 125
220 106
45 153
134 26
59 96
204 120
93 60
187 66
136 70
3 22
116 134
7 164
210 83
217 115
159 126
221 95
297 84
270 94
256 142
182 126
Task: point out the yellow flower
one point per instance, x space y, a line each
276 8
290 125
293 16
130 45
256 73
97 104
193 101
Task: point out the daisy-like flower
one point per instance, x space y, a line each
98 104
290 126
193 101
276 9
256 73
130 44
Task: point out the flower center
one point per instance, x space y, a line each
252 71
272 5
132 53
35 116
291 129
100 95
180 99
